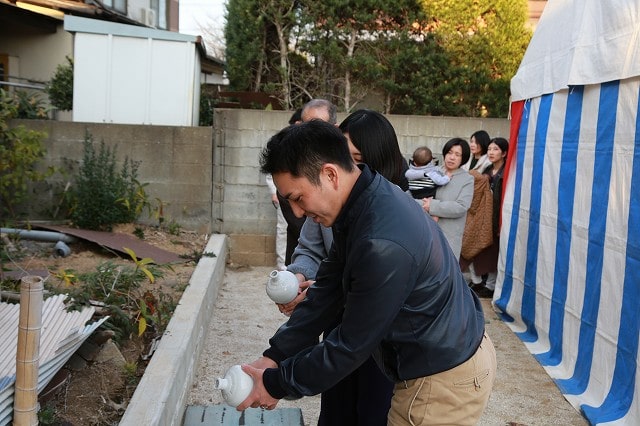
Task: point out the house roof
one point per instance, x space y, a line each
29 17
43 16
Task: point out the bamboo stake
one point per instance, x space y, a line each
25 402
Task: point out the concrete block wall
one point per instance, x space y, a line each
243 208
174 161
209 177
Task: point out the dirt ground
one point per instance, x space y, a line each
244 319
97 392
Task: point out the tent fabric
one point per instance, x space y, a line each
580 42
569 268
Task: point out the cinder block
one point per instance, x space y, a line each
222 415
425 126
197 154
248 227
246 138
242 156
244 176
274 121
196 173
193 135
252 212
249 119
247 243
243 194
251 258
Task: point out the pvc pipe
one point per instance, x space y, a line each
25 402
39 235
62 249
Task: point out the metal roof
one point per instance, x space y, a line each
61 335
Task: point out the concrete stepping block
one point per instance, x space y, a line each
229 416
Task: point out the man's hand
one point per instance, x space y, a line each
263 363
287 308
259 397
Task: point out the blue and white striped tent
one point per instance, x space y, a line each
569 268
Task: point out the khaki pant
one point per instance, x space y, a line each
453 397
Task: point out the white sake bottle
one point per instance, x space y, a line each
236 385
282 286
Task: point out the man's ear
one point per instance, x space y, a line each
330 173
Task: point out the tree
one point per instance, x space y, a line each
421 56
21 150
281 15
344 35
60 88
485 40
245 35
414 75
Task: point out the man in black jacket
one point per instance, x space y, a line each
393 277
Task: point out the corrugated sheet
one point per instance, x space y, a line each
61 335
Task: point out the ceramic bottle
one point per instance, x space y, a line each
282 286
236 385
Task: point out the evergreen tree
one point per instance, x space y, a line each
485 40
422 56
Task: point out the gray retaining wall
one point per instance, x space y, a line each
208 177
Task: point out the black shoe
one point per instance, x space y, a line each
484 293
476 287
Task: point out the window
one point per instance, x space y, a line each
117 5
4 67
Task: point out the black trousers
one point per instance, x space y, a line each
363 398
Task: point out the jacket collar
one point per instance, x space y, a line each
350 208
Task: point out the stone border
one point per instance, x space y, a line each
160 397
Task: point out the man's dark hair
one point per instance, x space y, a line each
466 151
303 149
296 117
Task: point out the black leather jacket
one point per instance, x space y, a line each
399 289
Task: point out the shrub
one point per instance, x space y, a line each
30 106
20 151
103 196
60 88
120 289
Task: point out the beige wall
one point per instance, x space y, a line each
210 177
35 57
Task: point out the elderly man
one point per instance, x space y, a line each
396 282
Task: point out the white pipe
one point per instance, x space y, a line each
62 249
39 235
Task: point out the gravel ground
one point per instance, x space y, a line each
245 318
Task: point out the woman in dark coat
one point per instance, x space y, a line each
486 262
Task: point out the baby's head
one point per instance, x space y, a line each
422 156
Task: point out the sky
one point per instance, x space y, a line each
204 18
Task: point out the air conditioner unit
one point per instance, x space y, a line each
148 17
